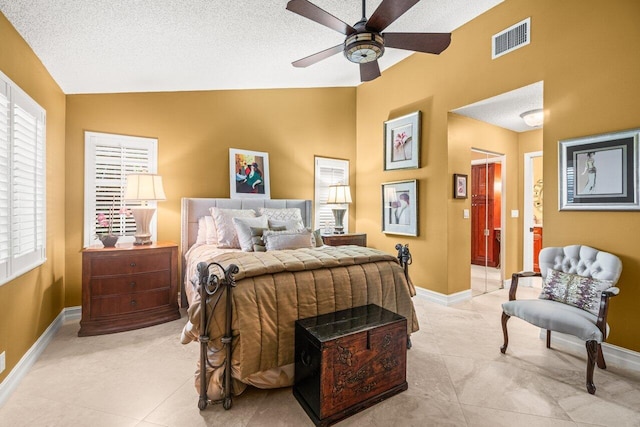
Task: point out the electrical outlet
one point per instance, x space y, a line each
2 362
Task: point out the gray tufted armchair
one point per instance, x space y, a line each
575 303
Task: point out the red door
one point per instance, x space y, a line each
482 200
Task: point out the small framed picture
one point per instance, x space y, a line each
599 172
249 174
459 186
402 142
400 208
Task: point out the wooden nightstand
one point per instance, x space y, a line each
359 239
128 288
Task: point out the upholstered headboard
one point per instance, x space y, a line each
195 208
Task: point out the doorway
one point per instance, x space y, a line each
533 215
487 177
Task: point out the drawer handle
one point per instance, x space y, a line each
132 284
305 358
133 302
133 264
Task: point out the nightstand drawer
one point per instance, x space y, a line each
122 304
116 285
129 263
359 239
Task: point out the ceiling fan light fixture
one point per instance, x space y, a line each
533 118
363 47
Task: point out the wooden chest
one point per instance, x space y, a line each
128 288
349 360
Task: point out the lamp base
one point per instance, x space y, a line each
143 216
338 215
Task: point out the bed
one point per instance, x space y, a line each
242 305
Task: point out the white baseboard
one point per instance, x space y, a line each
31 356
442 299
613 355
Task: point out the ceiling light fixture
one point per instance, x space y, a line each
363 47
533 118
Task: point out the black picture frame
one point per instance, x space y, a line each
460 182
599 172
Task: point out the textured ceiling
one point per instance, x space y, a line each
504 110
110 46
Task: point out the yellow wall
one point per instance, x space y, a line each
31 302
585 52
195 131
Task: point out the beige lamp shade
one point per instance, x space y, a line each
144 186
339 194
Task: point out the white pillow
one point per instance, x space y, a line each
243 230
226 231
288 239
211 237
202 231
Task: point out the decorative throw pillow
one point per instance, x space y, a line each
225 229
317 238
579 291
289 224
287 239
256 237
243 230
284 214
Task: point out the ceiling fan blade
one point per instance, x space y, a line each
311 11
387 12
419 42
369 71
317 57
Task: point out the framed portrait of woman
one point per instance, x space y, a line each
249 174
600 172
402 142
400 207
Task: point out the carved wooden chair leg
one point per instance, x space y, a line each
592 354
600 359
505 318
548 338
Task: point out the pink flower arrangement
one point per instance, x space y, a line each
106 220
400 140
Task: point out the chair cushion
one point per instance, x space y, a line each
579 291
556 316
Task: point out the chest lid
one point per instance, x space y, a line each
330 326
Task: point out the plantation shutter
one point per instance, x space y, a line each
108 160
22 181
328 172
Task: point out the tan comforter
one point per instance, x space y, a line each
276 288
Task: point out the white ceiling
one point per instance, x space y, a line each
113 46
110 46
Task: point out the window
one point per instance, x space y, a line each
22 181
108 160
328 172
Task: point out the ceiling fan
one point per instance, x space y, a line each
365 42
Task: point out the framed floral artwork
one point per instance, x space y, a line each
402 142
249 174
600 172
459 186
400 207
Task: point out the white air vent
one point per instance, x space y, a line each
512 38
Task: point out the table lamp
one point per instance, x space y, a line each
143 187
339 194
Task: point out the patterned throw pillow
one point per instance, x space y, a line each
572 289
284 214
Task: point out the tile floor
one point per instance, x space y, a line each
457 376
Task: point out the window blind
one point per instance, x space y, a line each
328 172
109 158
22 181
